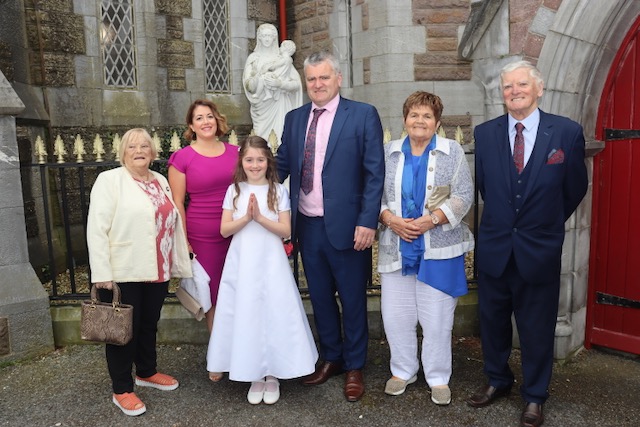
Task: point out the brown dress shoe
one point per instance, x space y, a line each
486 395
354 385
324 371
532 415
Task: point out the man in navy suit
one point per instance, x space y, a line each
531 173
336 190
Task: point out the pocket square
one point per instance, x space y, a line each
555 157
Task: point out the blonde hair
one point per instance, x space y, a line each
132 135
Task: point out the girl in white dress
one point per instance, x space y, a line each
261 332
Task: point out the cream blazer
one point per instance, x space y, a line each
121 231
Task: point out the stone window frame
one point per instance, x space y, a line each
121 71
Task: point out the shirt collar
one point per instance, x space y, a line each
330 106
530 122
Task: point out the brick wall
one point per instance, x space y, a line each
521 15
308 26
174 53
442 18
54 36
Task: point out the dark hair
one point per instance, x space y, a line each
421 99
221 120
239 176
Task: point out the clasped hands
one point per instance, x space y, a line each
410 229
253 210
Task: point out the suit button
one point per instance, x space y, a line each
515 230
518 196
517 210
429 187
519 181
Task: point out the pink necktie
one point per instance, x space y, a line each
518 148
309 158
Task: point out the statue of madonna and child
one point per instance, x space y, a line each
271 82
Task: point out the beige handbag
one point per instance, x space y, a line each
194 293
111 323
190 303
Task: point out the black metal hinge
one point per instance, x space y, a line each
613 134
602 298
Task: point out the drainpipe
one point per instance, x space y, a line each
283 20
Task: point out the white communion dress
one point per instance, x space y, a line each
260 326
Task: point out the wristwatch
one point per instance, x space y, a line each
434 219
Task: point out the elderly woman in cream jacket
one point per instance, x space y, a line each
422 241
135 238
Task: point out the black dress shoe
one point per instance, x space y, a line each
324 371
532 415
486 395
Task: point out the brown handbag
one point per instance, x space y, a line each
111 323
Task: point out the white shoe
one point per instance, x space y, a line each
272 390
256 392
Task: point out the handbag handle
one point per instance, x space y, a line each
95 298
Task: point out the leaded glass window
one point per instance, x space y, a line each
216 45
117 42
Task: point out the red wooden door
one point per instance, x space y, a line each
613 312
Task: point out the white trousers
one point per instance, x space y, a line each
406 302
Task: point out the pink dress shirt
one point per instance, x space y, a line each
312 204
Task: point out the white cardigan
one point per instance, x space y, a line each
447 168
121 231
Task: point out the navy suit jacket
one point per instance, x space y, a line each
353 170
555 188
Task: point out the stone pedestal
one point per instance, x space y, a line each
25 319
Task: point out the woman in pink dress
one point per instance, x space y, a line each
204 171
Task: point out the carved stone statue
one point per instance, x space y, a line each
271 82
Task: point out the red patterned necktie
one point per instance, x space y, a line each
518 148
310 153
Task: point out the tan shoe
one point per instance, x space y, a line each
441 395
396 386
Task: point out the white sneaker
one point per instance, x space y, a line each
272 390
256 392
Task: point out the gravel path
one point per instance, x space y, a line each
70 387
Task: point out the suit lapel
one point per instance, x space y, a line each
301 129
541 147
342 113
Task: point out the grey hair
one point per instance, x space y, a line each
533 71
317 57
132 135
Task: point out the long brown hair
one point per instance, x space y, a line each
239 176
222 126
